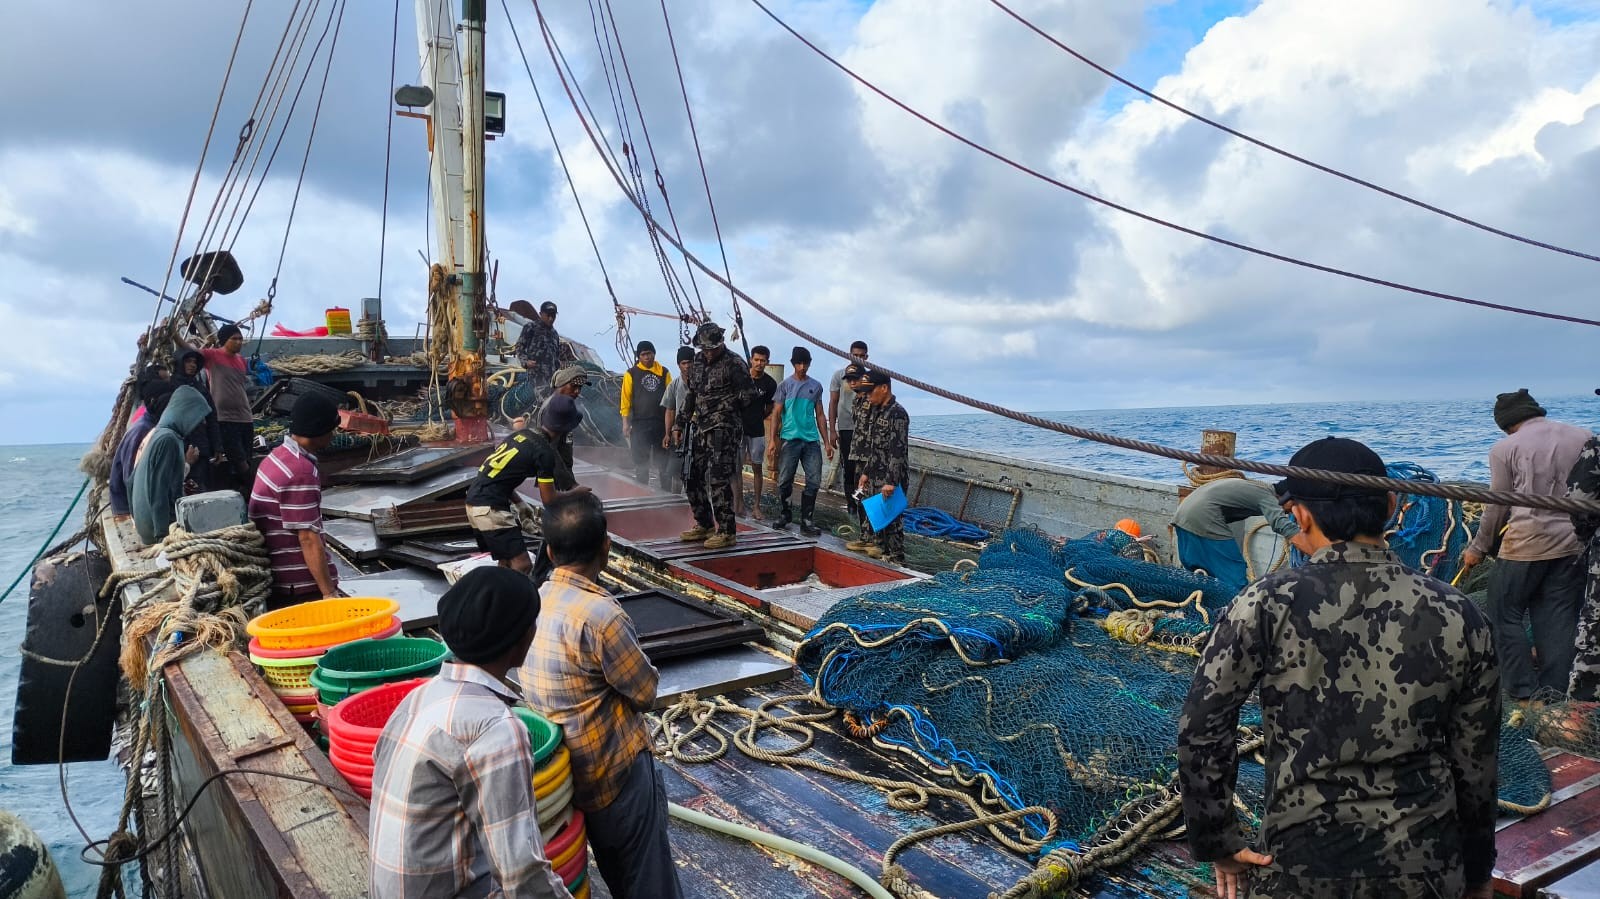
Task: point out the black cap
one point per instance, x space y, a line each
644 346
686 354
547 308
853 372
313 415
487 612
875 377
800 354
1332 454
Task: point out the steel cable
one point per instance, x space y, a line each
1272 148
1448 491
1155 220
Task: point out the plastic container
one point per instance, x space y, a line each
363 664
560 849
555 805
351 763
323 622
286 675
575 868
313 652
544 733
547 777
360 719
338 320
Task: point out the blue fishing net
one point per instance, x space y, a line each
1428 533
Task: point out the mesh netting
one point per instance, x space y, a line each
1428 533
1037 691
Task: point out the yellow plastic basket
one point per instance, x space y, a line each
323 622
286 675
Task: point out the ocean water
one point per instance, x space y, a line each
1450 438
36 484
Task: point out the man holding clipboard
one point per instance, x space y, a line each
887 442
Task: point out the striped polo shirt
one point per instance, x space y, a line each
286 499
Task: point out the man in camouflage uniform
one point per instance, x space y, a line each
539 346
1584 483
1380 707
717 387
861 417
887 444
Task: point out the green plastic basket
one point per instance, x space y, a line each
353 667
544 733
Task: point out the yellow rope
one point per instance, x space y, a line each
1194 599
1200 479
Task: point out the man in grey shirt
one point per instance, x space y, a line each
672 400
842 425
1538 571
1207 521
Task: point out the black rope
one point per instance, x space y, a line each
1271 148
1155 220
1423 488
738 316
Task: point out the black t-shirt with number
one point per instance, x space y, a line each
754 416
525 454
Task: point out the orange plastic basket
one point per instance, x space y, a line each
323 622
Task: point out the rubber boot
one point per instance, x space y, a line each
808 506
785 515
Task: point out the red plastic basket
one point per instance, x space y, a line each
360 718
351 762
572 869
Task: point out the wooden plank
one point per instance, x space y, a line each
1542 848
310 839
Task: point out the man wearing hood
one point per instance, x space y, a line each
159 474
154 394
208 440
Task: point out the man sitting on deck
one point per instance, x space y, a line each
453 811
528 452
1205 527
586 672
162 464
1380 707
286 505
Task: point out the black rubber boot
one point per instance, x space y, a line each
808 506
785 515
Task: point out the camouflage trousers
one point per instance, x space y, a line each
713 464
1584 685
892 540
1266 883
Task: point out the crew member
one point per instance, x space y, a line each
528 452
162 463
887 443
717 387
229 377
153 395
861 412
1206 527
1380 705
453 810
842 422
539 345
207 440
644 388
754 418
1537 573
561 407
286 505
586 672
798 426
673 401
1584 483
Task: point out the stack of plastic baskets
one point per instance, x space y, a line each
287 644
357 667
353 727
560 822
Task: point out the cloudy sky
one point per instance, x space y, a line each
853 219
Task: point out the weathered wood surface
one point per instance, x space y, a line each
1543 848
854 822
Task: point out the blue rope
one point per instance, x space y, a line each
930 522
29 567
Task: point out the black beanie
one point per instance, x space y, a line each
487 612
645 346
1512 409
685 354
313 415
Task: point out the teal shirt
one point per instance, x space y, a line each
801 399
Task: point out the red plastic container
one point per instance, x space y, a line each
359 719
568 872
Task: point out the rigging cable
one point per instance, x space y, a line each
571 185
1272 148
1156 220
1423 488
194 183
738 316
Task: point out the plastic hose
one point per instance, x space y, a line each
799 850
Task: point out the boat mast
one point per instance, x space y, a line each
441 70
473 294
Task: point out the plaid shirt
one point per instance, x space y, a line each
452 796
587 673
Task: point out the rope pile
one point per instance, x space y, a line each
316 363
209 571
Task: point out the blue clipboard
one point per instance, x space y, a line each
880 511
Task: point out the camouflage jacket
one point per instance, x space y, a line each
716 392
1584 483
886 444
1380 705
539 348
861 414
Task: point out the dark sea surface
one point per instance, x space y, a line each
1450 438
